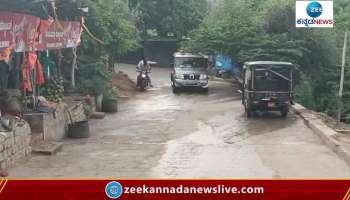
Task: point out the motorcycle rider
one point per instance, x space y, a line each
145 65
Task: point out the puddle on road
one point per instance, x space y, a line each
206 154
157 103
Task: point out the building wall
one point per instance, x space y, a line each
157 51
161 52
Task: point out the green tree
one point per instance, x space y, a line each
224 30
343 23
247 32
109 21
342 13
265 30
112 34
166 17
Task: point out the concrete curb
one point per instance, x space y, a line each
326 134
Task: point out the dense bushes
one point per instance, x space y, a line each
264 30
168 17
112 34
94 78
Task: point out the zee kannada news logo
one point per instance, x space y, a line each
317 14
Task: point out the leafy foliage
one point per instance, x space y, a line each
53 89
93 78
168 16
110 21
254 30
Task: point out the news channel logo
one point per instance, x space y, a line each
314 14
114 190
314 9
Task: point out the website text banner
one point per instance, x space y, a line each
29 33
62 34
174 189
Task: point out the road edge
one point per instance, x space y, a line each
326 133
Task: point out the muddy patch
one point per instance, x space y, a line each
123 85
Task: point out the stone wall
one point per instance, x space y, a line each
15 144
54 126
17 136
48 126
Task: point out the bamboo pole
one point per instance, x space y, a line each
74 66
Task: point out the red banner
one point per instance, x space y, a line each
25 31
175 189
6 34
31 33
62 35
73 35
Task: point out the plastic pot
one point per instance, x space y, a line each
79 130
110 105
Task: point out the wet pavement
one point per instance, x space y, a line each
190 135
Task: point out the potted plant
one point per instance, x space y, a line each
110 101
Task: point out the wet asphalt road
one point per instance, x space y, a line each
191 135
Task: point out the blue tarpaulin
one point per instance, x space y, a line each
225 63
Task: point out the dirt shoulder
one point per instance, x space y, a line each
334 136
342 129
124 86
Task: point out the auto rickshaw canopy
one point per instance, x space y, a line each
267 63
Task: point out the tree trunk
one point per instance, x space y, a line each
59 64
341 88
111 62
99 99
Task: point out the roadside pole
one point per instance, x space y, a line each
74 67
341 88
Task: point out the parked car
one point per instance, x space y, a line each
267 86
189 71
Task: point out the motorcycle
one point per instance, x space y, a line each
143 79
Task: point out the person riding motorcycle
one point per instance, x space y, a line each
145 65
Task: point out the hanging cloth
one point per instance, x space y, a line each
26 82
29 65
39 73
6 53
31 60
